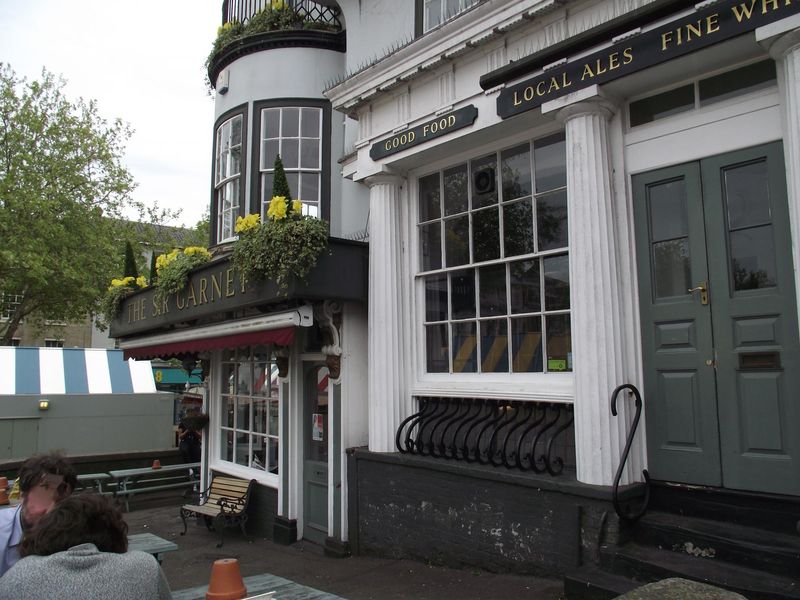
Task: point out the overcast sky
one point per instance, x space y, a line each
142 60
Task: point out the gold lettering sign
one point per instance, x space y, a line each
424 132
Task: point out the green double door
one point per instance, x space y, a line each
719 322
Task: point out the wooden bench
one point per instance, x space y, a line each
223 504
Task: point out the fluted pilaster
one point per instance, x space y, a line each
785 50
386 343
598 328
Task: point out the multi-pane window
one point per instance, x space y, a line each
249 409
296 134
227 176
437 12
494 264
9 303
53 343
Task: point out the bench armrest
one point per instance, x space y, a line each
229 506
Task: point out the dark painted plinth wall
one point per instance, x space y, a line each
461 515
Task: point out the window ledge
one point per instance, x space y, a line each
550 387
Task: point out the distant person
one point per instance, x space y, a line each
189 443
44 480
79 550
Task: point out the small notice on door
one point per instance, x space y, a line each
316 428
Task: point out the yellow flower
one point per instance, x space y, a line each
165 259
197 250
247 223
141 281
277 208
297 207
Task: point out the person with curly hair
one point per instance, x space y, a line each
44 480
79 550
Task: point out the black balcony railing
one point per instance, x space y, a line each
309 12
529 436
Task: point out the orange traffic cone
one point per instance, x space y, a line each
226 581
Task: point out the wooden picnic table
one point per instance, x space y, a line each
127 479
152 544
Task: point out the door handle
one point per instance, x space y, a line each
703 289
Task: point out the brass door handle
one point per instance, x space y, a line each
703 289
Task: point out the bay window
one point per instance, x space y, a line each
228 183
493 262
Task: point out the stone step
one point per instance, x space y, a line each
769 551
647 563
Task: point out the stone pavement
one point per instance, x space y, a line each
311 574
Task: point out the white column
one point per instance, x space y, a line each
598 328
785 49
386 371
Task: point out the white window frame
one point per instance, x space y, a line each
15 300
311 206
542 387
217 431
226 193
440 7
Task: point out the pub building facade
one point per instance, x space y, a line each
561 197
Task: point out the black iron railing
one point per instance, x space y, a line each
515 435
625 512
308 11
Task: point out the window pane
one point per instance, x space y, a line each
662 105
290 153
429 198
274 421
262 377
431 245
291 122
493 290
436 298
559 343
244 385
465 348
274 466
671 268
259 443
294 180
436 349
525 286
668 214
309 187
266 188
272 122
753 258
556 283
260 415
309 154
243 413
518 228
494 346
550 162
236 131
269 151
226 446
455 190
486 234
484 181
737 82
747 195
515 164
227 411
526 342
462 286
551 220
310 122
433 13
456 235
228 379
242 452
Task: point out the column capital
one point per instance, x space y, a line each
386 178
597 105
780 46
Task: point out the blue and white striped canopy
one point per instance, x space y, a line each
72 371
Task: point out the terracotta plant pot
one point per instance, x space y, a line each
226 581
156 464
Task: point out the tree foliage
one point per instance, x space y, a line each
63 191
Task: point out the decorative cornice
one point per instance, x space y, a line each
268 40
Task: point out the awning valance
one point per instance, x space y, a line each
275 328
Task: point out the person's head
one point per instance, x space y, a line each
44 479
79 519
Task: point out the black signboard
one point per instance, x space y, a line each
711 25
463 117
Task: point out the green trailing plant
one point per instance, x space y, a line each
116 293
173 269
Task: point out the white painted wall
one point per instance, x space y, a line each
374 26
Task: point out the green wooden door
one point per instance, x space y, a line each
721 362
315 463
